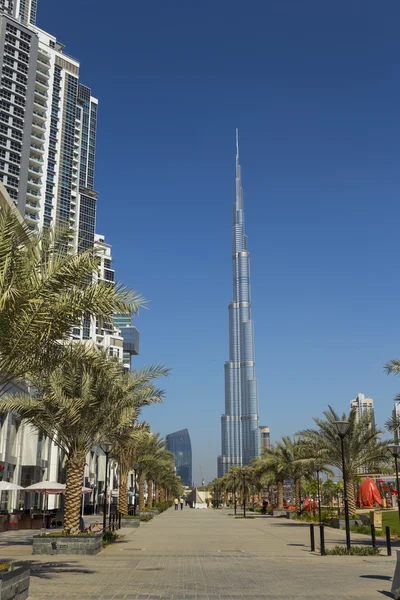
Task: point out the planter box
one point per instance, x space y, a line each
68 544
341 523
14 584
290 514
132 523
279 513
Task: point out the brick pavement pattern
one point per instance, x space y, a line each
208 555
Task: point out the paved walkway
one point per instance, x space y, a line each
207 555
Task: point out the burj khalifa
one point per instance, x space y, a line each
240 434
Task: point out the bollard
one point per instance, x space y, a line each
388 542
373 536
322 539
312 537
119 520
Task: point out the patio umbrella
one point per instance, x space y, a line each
47 487
6 486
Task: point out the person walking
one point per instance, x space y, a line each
176 502
181 503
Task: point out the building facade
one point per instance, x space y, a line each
48 122
363 405
240 434
178 443
265 438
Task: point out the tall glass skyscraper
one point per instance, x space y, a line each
240 434
178 443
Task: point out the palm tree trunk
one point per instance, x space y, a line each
141 491
351 496
156 493
73 494
162 495
150 494
123 494
280 495
297 493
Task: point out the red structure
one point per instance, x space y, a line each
368 494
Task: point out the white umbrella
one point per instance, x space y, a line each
6 486
47 487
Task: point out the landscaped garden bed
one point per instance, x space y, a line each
55 544
14 582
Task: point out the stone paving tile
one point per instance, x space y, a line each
205 555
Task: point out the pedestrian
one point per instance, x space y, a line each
181 503
264 506
176 502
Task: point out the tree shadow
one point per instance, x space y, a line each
47 570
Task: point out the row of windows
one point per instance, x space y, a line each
15 31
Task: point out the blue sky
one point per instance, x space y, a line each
314 88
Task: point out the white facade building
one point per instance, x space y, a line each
362 405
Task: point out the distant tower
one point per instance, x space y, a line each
240 434
362 405
265 434
178 443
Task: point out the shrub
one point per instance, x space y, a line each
129 517
353 551
144 518
109 538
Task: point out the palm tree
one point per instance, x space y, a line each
45 290
123 450
150 454
362 445
86 400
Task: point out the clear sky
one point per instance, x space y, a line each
314 88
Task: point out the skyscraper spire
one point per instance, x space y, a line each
240 435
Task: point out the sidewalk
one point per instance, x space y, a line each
207 555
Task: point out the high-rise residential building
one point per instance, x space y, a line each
240 434
361 405
47 127
265 435
178 443
396 420
130 336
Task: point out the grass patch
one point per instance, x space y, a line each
365 529
5 566
130 517
241 517
391 519
354 551
66 534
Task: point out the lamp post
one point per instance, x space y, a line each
135 468
395 452
342 428
319 495
234 475
244 492
106 447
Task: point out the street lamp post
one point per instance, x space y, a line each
106 447
319 497
135 468
342 428
234 490
395 452
244 493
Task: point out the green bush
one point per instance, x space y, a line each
144 518
129 517
353 551
109 538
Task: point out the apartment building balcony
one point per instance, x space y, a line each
39 102
33 193
35 182
31 218
40 115
33 205
42 84
42 70
36 170
41 94
38 126
35 159
37 136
